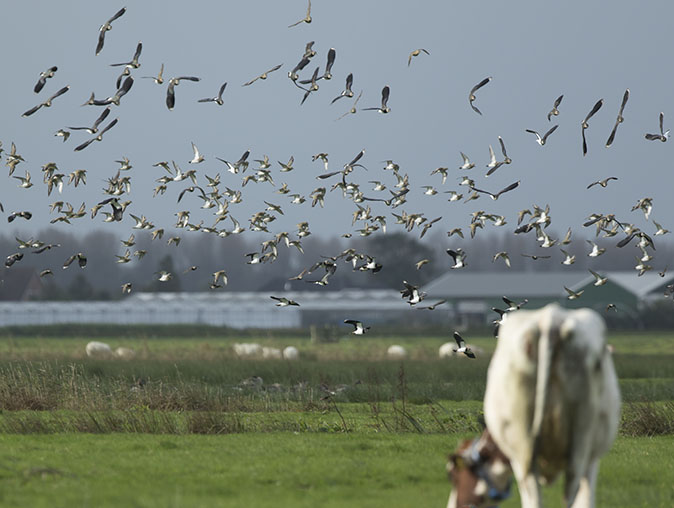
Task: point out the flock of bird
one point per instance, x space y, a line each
387 197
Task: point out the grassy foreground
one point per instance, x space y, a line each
281 469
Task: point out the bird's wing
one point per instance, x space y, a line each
251 81
480 85
508 188
108 127
331 59
503 148
103 116
594 109
32 110
384 96
611 136
84 145
118 14
170 97
101 41
553 129
626 96
126 86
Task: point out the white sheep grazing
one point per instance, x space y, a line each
247 349
271 352
291 353
125 353
447 350
396 352
96 349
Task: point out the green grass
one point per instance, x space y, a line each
31 347
81 432
281 469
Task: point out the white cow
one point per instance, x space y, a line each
95 349
552 402
552 405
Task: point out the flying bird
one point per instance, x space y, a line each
94 128
97 138
663 136
332 53
573 294
554 111
114 99
105 27
347 92
44 76
359 329
170 91
384 101
584 125
47 103
471 95
198 157
499 193
602 183
81 260
466 162
414 53
620 118
353 109
159 78
285 302
462 348
305 19
459 257
541 140
217 99
263 75
598 279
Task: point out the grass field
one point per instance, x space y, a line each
281 470
179 425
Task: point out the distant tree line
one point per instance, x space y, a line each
398 253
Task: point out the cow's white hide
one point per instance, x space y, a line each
552 402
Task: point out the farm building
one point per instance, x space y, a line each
469 296
232 309
472 295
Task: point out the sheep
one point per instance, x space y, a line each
96 349
396 352
247 349
271 352
291 353
447 350
125 353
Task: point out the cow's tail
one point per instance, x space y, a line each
549 336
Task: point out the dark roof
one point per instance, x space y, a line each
465 284
20 283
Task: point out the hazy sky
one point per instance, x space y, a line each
535 51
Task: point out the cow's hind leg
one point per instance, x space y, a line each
586 487
530 491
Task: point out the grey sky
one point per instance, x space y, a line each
535 51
